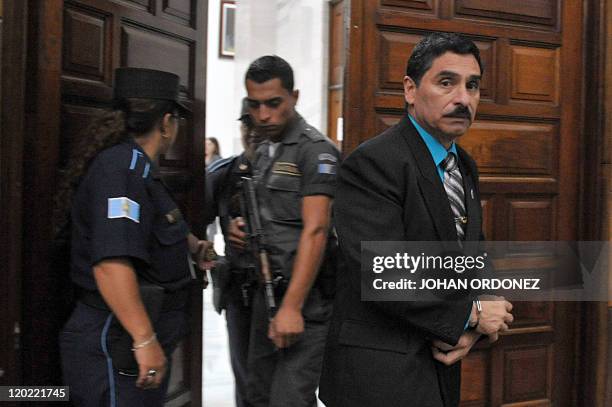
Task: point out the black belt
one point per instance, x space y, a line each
172 300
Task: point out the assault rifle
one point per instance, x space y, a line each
250 210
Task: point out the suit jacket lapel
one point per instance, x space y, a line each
472 200
430 183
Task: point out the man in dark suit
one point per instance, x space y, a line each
411 183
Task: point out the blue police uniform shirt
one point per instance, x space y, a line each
122 209
436 149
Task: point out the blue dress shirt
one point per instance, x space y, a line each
436 149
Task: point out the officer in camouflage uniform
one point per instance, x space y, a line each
295 174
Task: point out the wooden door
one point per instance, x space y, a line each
73 48
525 141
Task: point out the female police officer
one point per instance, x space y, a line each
127 233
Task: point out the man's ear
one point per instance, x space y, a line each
410 88
296 95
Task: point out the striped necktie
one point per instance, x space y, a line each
453 184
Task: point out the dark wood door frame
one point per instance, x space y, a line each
42 291
12 93
592 355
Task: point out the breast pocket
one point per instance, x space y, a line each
169 251
285 198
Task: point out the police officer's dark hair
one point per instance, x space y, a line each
433 46
129 118
270 67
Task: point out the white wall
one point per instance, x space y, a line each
296 30
220 93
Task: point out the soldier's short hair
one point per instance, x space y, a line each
271 67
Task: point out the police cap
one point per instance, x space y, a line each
147 84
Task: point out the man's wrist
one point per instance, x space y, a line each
475 317
292 303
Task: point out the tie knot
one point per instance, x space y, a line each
449 163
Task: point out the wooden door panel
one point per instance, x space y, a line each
535 74
513 147
528 374
418 6
541 12
145 5
180 11
86 38
86 54
534 314
530 219
523 140
146 47
394 48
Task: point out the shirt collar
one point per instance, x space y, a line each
291 134
153 169
436 149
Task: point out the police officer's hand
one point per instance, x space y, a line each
286 327
237 236
204 255
449 355
151 366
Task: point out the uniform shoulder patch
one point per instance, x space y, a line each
224 162
123 207
327 169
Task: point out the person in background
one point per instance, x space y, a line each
212 150
213 154
234 276
127 233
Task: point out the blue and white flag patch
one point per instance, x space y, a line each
327 169
123 207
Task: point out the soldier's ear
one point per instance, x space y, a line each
410 88
296 95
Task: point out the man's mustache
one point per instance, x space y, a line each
460 112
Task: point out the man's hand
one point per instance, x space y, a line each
495 316
286 327
237 236
447 354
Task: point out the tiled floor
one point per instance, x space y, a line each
218 386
